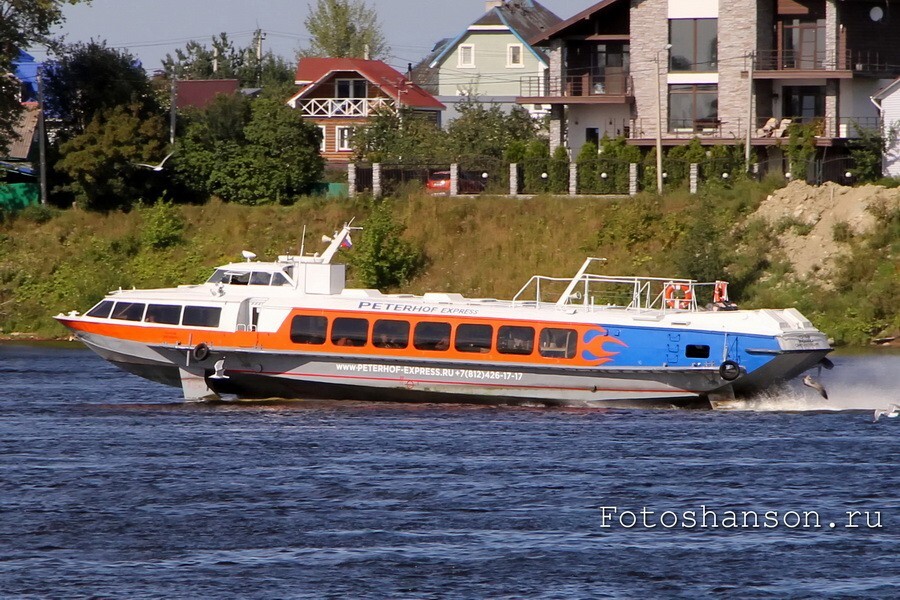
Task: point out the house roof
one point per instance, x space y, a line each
523 18
546 36
20 146
887 90
312 72
199 93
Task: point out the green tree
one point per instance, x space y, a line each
537 160
23 23
100 162
867 151
559 171
588 181
383 259
223 61
252 152
482 130
345 29
91 78
404 136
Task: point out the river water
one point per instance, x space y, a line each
111 487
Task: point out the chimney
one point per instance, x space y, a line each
490 5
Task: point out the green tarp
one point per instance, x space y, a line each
16 196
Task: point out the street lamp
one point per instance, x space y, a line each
659 179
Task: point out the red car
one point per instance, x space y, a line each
439 183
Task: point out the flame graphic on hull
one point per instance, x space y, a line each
594 351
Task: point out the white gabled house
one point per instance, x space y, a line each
488 58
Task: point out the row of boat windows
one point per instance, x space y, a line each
434 336
248 278
167 314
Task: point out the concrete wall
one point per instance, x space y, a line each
891 113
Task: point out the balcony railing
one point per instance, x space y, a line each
796 60
576 86
344 107
770 127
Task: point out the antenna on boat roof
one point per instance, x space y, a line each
303 240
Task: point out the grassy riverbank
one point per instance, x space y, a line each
58 261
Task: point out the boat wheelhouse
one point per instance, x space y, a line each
291 329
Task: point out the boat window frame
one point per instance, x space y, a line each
349 331
468 338
213 310
148 318
432 342
255 275
394 339
696 350
549 342
97 307
126 313
310 336
510 342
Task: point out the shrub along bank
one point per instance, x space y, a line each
53 261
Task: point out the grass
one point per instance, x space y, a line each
478 246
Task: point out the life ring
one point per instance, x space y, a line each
200 352
720 293
729 370
686 299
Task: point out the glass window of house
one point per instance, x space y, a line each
694 45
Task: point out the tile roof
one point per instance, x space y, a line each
313 71
199 93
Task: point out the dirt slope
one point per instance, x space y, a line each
808 215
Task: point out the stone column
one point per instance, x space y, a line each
557 127
695 172
351 180
573 178
454 179
513 179
632 179
376 180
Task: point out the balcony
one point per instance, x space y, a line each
766 131
611 88
344 107
795 64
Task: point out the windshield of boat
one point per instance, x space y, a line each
235 277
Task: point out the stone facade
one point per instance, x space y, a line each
649 35
738 24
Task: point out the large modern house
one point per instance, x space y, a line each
487 58
719 70
339 94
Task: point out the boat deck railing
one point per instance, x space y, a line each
594 292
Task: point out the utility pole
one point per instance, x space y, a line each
750 119
42 133
260 36
172 111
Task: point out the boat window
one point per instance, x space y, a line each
387 333
696 351
558 343
102 310
474 338
515 340
169 314
432 336
308 330
128 311
257 278
349 332
217 277
280 279
236 278
201 316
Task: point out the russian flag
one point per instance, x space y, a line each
347 243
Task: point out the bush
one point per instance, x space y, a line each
162 227
383 259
